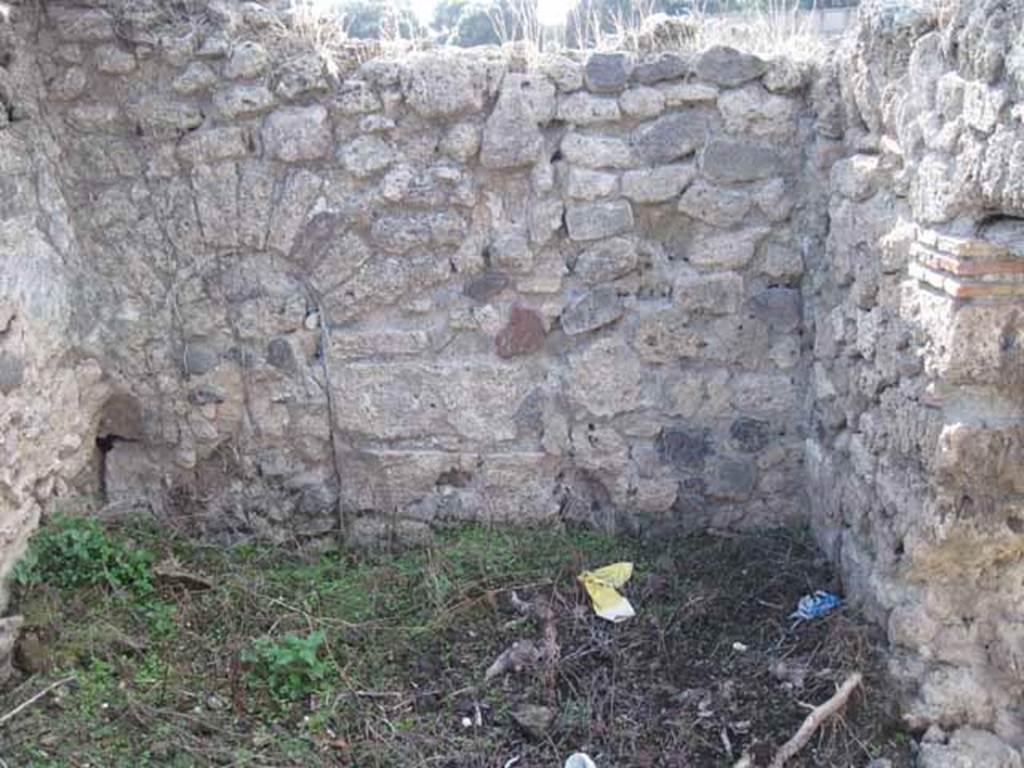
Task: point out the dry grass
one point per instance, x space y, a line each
310 27
523 26
772 28
162 679
767 27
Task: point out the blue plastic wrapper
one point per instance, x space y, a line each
816 605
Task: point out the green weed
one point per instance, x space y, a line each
291 667
73 551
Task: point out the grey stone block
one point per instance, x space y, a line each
607 72
593 221
594 310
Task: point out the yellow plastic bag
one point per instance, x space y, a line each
602 586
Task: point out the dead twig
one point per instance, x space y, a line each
813 721
170 572
33 699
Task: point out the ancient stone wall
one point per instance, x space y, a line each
49 391
260 296
440 287
914 455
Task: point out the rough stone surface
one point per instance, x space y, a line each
241 101
523 334
597 151
582 108
752 278
248 59
911 372
664 66
656 185
471 277
587 184
727 66
722 207
607 260
297 134
444 85
591 311
730 250
668 138
512 136
751 110
642 102
592 221
734 161
716 293
969 747
607 72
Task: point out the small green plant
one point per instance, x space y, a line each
290 667
73 551
161 619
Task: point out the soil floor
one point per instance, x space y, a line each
260 656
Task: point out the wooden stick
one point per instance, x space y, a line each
29 702
818 715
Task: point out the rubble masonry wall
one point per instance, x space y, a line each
263 297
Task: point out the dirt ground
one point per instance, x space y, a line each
711 665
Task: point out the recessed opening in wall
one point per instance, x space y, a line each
1007 231
104 445
120 421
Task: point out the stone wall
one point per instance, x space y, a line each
914 455
450 286
49 391
260 296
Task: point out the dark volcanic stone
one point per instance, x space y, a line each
665 66
487 285
779 308
750 435
733 479
12 373
727 66
607 72
281 355
684 447
200 359
730 160
670 137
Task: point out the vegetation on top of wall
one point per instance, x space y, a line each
766 27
